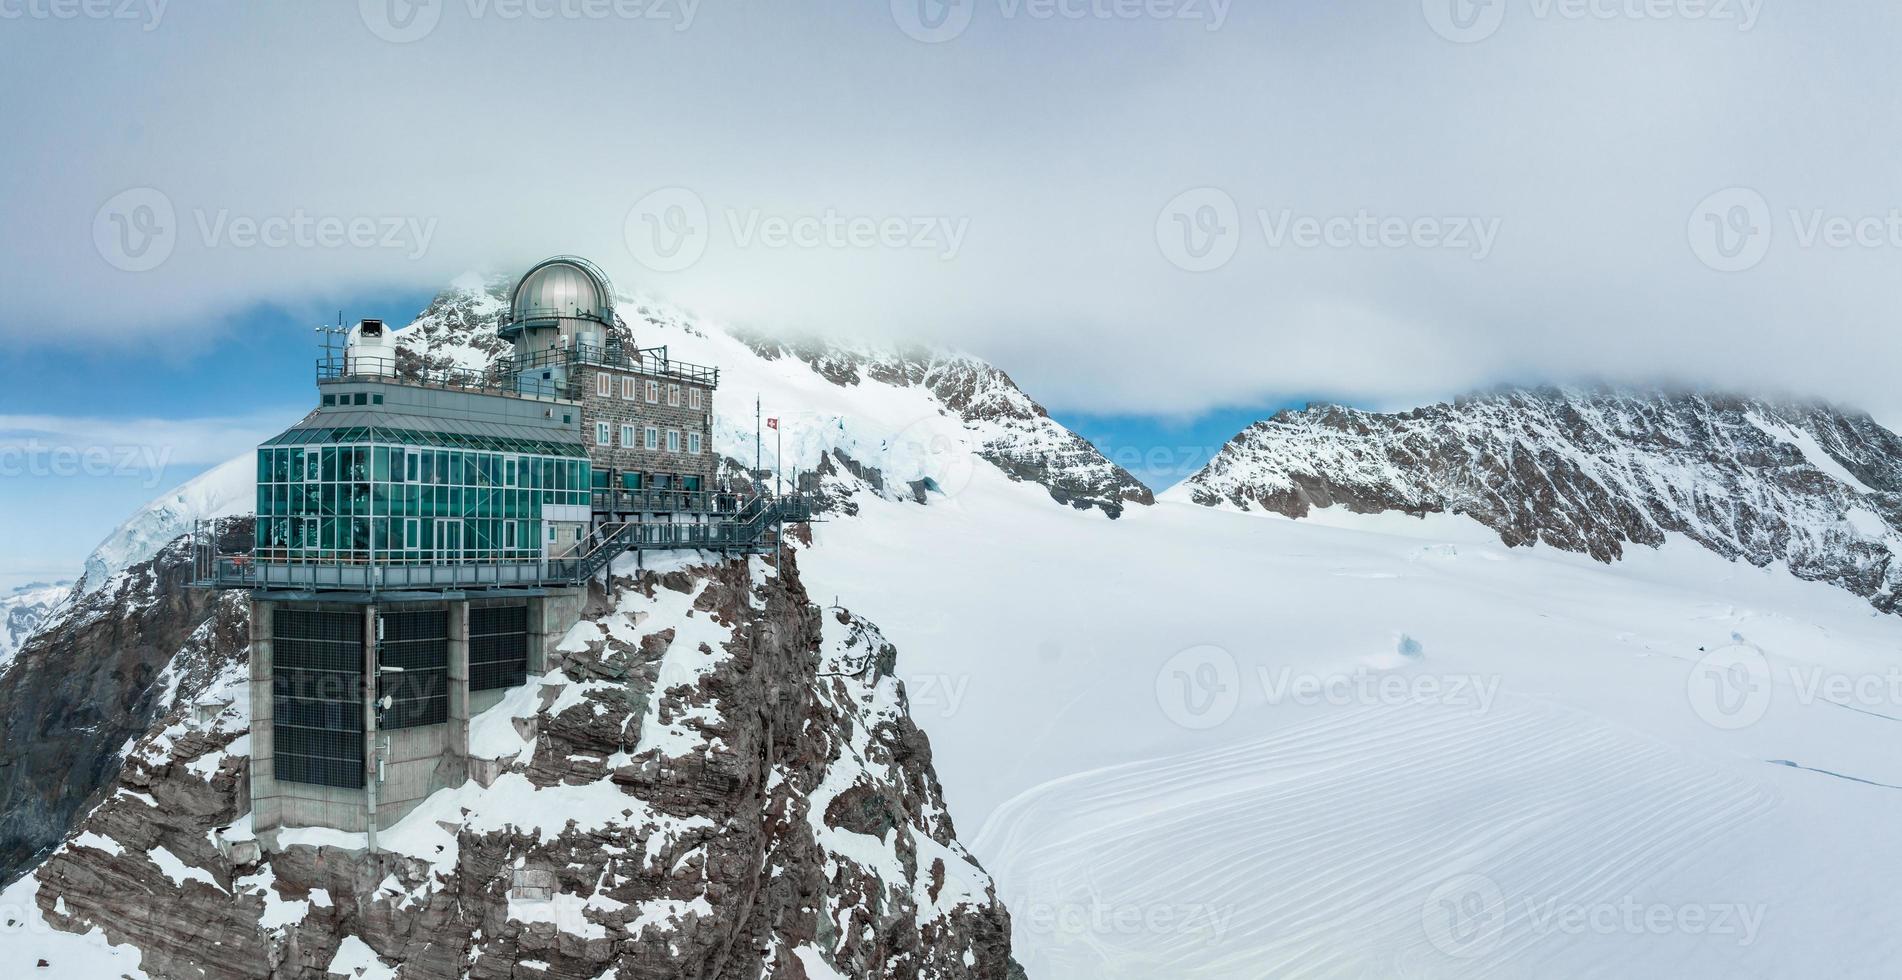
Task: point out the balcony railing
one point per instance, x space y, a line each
748 529
493 381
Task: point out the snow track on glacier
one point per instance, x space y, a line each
1317 851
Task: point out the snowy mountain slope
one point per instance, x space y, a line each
716 780
225 490
1209 745
21 612
1814 488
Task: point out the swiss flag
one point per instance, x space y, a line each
772 423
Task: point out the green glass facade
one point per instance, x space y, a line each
359 495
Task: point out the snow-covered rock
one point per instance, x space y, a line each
225 490
1813 487
21 612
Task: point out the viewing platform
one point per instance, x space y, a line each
359 576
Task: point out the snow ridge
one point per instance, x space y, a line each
1590 470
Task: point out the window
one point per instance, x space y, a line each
627 389
693 443
652 438
673 395
603 384
376 399
673 440
601 437
627 437
362 398
330 399
694 397
653 392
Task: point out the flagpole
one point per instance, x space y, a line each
756 438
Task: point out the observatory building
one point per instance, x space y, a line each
425 537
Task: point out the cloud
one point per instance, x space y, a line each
1149 214
39 448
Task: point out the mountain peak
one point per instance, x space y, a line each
1592 469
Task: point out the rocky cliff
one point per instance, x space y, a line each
718 779
87 683
1595 470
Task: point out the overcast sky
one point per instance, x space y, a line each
1158 208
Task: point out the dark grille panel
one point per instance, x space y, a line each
317 697
417 642
498 647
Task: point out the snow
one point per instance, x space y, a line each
26 938
1154 801
356 959
22 610
225 490
1812 451
816 966
179 871
98 843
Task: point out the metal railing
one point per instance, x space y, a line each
498 380
751 528
652 361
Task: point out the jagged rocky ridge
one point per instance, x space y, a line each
1003 425
1593 470
718 780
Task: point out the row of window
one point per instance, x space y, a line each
359 398
646 437
441 467
604 387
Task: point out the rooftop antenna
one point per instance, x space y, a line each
330 337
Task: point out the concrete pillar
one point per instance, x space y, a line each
267 812
456 749
370 651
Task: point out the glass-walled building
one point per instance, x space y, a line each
418 488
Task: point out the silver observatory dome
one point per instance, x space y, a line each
566 287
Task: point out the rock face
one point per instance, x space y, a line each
22 611
1592 470
85 684
718 780
1013 432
